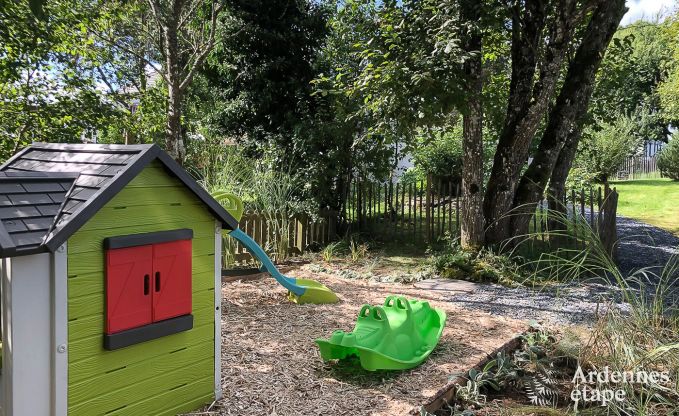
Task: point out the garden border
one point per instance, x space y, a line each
447 392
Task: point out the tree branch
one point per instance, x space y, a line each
186 17
132 52
114 94
200 55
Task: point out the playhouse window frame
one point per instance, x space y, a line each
154 329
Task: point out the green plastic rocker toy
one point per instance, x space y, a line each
397 336
299 290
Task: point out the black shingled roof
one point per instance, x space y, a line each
29 204
92 173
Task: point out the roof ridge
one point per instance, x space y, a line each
60 212
95 202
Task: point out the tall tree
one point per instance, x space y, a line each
180 34
257 90
472 227
398 69
567 116
259 74
186 35
547 94
537 26
669 89
638 61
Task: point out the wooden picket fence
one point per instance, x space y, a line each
281 236
642 166
425 211
418 212
595 207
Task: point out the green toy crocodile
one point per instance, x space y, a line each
397 336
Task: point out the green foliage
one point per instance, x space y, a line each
484 266
605 146
439 153
413 175
256 90
668 160
255 181
669 88
261 69
357 250
635 66
274 193
580 177
403 68
143 121
48 91
329 252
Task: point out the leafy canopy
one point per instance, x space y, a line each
48 85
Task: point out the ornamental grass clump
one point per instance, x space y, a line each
635 333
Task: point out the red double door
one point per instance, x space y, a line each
146 284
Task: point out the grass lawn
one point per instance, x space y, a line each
654 201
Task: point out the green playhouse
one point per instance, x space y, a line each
110 258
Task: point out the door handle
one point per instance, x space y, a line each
146 284
157 285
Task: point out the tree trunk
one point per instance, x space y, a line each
174 142
528 101
556 194
566 117
471 228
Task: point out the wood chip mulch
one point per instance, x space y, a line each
271 365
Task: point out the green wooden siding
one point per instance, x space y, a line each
165 376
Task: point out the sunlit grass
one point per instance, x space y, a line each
653 201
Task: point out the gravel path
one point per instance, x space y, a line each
567 304
641 245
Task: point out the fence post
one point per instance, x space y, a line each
428 210
458 228
599 203
575 218
332 225
421 206
608 231
591 207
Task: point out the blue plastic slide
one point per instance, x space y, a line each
299 290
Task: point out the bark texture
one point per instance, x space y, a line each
539 43
174 141
472 229
566 117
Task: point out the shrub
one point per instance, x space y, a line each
453 262
605 146
439 153
668 160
